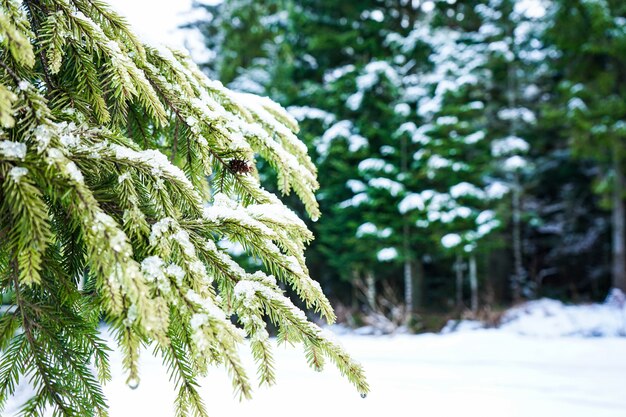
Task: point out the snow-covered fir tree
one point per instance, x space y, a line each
480 93
369 106
121 168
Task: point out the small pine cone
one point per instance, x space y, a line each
239 166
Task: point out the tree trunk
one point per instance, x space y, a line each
356 296
473 279
409 293
370 282
619 226
409 287
418 285
458 266
518 274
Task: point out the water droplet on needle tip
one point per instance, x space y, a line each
132 383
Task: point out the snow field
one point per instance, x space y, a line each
484 373
546 360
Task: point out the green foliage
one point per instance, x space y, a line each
434 91
122 167
592 42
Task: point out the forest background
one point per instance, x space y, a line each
470 153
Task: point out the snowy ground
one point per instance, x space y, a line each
499 373
552 318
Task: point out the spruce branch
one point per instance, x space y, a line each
30 5
90 141
11 73
181 119
49 386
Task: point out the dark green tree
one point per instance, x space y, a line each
590 38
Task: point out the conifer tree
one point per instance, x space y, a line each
121 166
590 37
449 197
331 57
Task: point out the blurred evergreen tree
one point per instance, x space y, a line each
438 119
336 44
590 39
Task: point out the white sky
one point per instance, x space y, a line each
156 21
